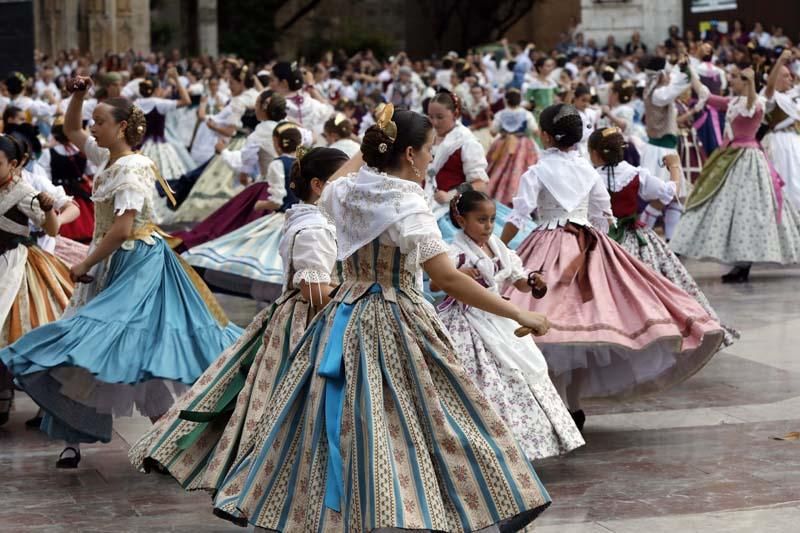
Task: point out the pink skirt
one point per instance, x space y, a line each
630 328
509 157
69 251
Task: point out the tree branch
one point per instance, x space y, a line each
302 12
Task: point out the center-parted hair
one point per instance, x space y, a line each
11 148
448 100
563 123
412 130
320 163
339 125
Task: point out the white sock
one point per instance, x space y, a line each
672 215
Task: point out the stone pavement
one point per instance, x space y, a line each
697 458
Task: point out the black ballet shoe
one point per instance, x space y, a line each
5 406
34 423
579 417
739 274
71 461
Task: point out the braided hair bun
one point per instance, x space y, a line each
563 123
383 153
610 144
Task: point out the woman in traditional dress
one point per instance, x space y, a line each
206 188
246 261
782 142
141 326
627 185
372 417
514 150
34 286
618 327
736 213
458 159
305 105
511 371
620 113
339 135
250 163
246 373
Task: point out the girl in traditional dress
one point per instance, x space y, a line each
620 113
540 90
141 326
627 185
514 150
782 142
247 259
305 105
207 187
458 159
34 286
171 158
339 134
246 373
736 213
510 371
67 167
656 337
372 417
477 115
250 162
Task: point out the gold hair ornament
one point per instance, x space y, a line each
338 119
610 131
383 119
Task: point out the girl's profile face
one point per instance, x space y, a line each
423 157
104 129
7 166
597 161
478 224
583 101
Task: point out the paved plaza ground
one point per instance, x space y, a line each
698 458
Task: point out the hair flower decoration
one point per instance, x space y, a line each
383 119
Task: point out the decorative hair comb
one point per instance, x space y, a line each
610 131
383 119
339 118
243 73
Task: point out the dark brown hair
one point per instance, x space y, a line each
610 144
318 163
289 136
412 130
123 110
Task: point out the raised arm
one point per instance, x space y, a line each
769 92
73 118
183 95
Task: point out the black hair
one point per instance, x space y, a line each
28 134
283 71
243 75
24 148
513 97
540 62
15 83
139 70
465 201
276 107
11 147
447 63
58 134
147 87
124 109
563 123
654 63
10 111
582 90
610 144
383 153
318 163
289 136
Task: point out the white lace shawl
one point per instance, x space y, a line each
511 268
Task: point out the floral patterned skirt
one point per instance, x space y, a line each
506 370
509 157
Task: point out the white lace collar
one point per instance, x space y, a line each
624 173
478 258
365 204
566 175
298 217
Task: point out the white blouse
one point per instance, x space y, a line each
650 187
276 177
313 255
246 159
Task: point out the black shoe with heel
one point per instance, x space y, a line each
69 462
579 417
739 274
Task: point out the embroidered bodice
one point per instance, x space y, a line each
625 202
17 208
378 264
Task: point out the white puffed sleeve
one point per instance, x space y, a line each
473 161
96 155
418 237
313 256
128 199
38 178
276 178
599 206
518 270
526 199
664 96
653 188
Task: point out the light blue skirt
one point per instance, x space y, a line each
145 336
502 213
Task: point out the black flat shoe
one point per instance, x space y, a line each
6 403
579 417
71 461
34 423
739 274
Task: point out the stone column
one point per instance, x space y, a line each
207 29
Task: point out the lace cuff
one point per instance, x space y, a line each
310 276
425 250
518 220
